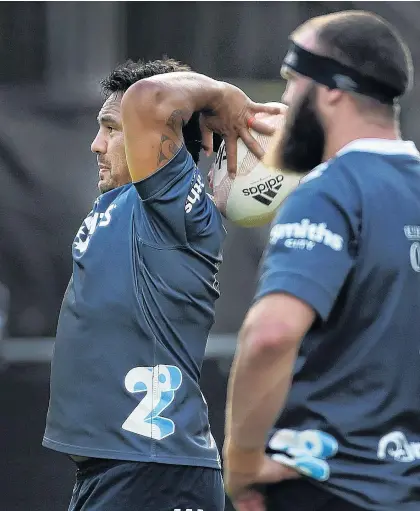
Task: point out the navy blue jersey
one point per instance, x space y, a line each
347 243
134 324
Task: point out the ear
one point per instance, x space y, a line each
327 101
329 97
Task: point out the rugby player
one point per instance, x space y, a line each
125 400
326 380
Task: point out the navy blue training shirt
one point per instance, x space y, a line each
347 242
134 323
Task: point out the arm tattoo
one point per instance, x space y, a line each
169 145
175 121
167 149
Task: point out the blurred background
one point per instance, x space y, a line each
52 56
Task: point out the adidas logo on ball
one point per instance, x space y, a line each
253 197
265 192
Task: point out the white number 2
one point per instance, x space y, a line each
159 384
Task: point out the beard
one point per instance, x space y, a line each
301 147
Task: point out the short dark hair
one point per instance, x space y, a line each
125 75
366 42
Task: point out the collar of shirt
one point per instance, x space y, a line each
381 146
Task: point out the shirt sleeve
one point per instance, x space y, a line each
176 206
313 244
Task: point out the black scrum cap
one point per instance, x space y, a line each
334 75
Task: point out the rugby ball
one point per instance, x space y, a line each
252 198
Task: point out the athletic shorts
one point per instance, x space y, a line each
300 495
111 485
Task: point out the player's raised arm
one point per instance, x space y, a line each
155 109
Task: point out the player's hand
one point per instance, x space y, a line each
240 487
232 118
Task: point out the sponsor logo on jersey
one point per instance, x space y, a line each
307 451
93 220
266 191
305 235
195 194
412 233
396 446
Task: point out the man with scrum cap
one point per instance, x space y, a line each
326 380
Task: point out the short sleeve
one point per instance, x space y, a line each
313 244
176 206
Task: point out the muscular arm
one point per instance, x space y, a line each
262 371
154 111
296 286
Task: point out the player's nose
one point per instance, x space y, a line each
98 144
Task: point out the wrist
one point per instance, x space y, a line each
242 460
216 97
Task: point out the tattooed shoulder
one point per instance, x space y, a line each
175 121
171 141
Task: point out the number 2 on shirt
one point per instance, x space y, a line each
159 385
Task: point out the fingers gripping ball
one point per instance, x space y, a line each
253 197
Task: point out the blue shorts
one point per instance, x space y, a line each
301 495
111 485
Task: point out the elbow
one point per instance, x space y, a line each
144 94
154 101
268 339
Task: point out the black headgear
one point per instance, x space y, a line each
334 75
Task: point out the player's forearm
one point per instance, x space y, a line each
184 91
258 388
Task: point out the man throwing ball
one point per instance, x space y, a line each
125 401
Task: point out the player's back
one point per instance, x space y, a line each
356 388
134 324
